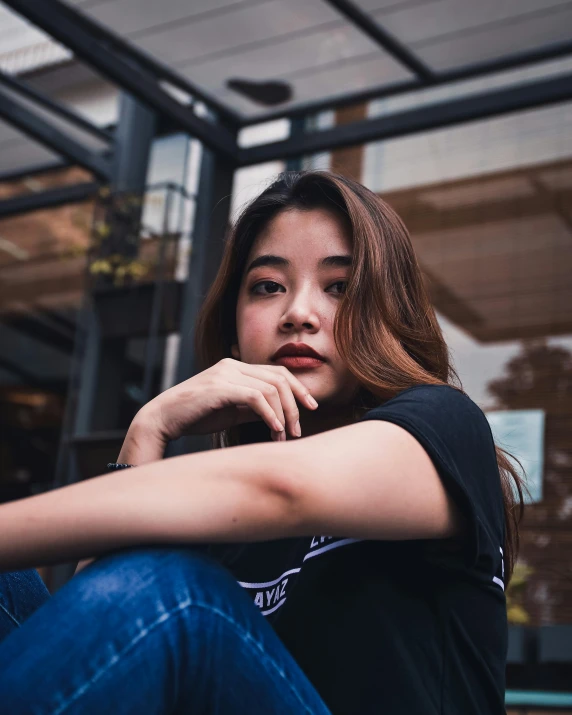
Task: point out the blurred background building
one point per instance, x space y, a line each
132 133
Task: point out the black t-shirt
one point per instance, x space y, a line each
408 627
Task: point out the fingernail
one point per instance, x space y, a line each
312 401
278 426
297 429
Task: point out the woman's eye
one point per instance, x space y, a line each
255 288
264 283
340 283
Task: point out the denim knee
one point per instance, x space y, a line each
162 575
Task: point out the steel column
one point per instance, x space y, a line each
297 129
97 370
133 138
210 226
98 400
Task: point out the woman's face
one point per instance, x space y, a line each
296 298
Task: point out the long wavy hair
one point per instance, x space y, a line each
385 327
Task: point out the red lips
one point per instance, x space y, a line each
296 350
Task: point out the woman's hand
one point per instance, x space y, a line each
227 394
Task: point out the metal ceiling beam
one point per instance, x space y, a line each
502 64
55 165
130 67
123 64
146 61
47 199
26 172
435 116
365 22
481 69
55 107
19 115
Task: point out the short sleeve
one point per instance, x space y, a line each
456 435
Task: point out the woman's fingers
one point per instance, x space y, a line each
207 403
286 394
298 388
260 402
274 397
289 388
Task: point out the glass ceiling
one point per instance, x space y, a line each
450 34
262 57
25 48
23 51
254 55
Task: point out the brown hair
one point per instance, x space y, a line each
385 328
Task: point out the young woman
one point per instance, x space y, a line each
359 569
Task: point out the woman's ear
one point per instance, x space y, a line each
235 352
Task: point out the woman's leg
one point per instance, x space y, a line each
151 630
21 593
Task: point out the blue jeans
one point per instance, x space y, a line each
146 630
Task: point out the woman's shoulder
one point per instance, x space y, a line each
440 415
431 397
434 392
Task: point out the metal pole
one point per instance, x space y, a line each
96 364
158 289
133 137
211 222
297 130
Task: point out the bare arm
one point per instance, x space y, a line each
141 447
371 480
220 495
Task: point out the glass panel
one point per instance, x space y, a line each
488 208
305 46
42 253
522 35
455 90
454 33
136 18
42 269
499 272
331 81
23 47
516 140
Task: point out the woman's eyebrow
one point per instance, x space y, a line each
269 259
